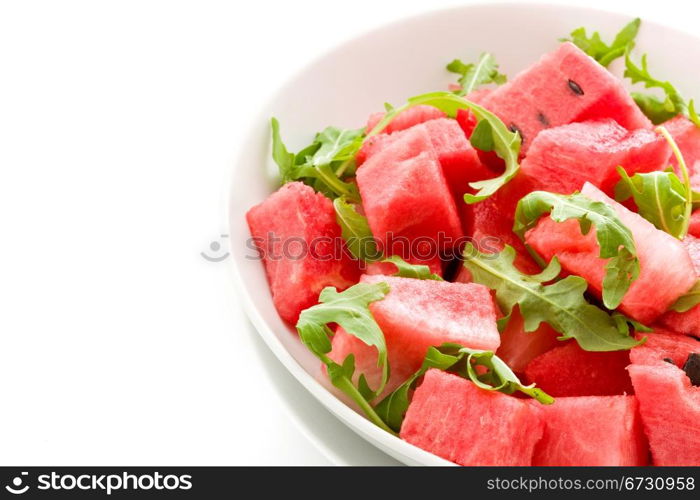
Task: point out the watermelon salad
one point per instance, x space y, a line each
507 271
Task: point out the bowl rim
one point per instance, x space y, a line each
391 444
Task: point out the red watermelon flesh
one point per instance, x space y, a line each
568 370
666 269
564 86
417 314
687 136
491 222
574 427
670 409
694 228
458 158
296 231
562 159
435 264
405 119
663 345
687 322
518 347
454 419
407 199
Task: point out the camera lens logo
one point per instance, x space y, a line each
215 252
16 488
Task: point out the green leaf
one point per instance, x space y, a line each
656 109
485 71
689 194
614 238
284 159
660 198
355 231
324 164
688 300
599 50
624 324
506 143
561 304
406 270
350 310
692 115
461 361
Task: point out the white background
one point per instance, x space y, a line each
119 123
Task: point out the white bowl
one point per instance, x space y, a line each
388 65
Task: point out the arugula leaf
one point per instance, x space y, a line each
356 231
406 270
692 115
614 238
324 164
624 323
503 141
485 71
599 50
349 309
561 304
461 361
688 300
657 110
689 194
660 197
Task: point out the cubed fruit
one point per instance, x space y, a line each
518 347
687 322
456 420
417 314
299 240
574 427
666 268
458 158
561 159
491 222
564 86
670 409
568 370
694 228
662 347
406 198
405 119
687 136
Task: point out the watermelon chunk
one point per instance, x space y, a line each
568 370
687 136
686 322
299 239
406 198
670 409
562 159
415 315
574 426
518 347
663 346
694 228
405 119
491 222
666 269
458 158
564 86
454 419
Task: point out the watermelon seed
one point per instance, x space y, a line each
669 360
575 87
543 119
514 128
692 368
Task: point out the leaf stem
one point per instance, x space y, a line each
348 388
686 179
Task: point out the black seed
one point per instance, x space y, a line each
514 128
669 360
575 87
692 368
543 119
